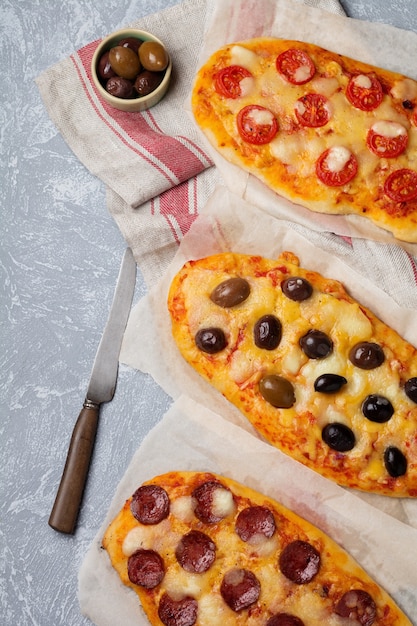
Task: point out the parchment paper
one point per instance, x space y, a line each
378 44
191 437
229 223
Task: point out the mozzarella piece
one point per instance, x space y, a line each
405 89
299 107
244 57
302 73
179 583
247 85
292 362
388 129
182 508
362 81
287 151
325 86
337 158
262 117
138 537
147 537
223 503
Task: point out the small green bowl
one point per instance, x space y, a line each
140 103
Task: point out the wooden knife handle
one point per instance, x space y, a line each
68 499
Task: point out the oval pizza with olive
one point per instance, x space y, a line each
201 549
317 374
323 130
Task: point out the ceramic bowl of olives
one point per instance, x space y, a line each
131 70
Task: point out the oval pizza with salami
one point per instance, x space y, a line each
201 549
325 131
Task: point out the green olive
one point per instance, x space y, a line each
124 62
153 56
230 292
277 391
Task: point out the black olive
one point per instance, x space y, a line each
230 292
316 344
367 355
104 69
146 82
338 437
211 340
329 383
407 104
410 388
297 288
131 42
267 332
277 391
395 462
377 408
120 87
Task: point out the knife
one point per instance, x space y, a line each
101 389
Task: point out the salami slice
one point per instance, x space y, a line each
181 612
357 605
255 521
150 504
299 562
213 502
196 552
240 589
145 568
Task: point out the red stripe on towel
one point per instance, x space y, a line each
179 207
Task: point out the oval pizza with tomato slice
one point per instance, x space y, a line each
200 549
323 130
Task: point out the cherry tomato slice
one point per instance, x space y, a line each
256 124
362 96
312 110
296 66
228 79
401 185
339 177
384 146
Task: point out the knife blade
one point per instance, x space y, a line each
101 388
